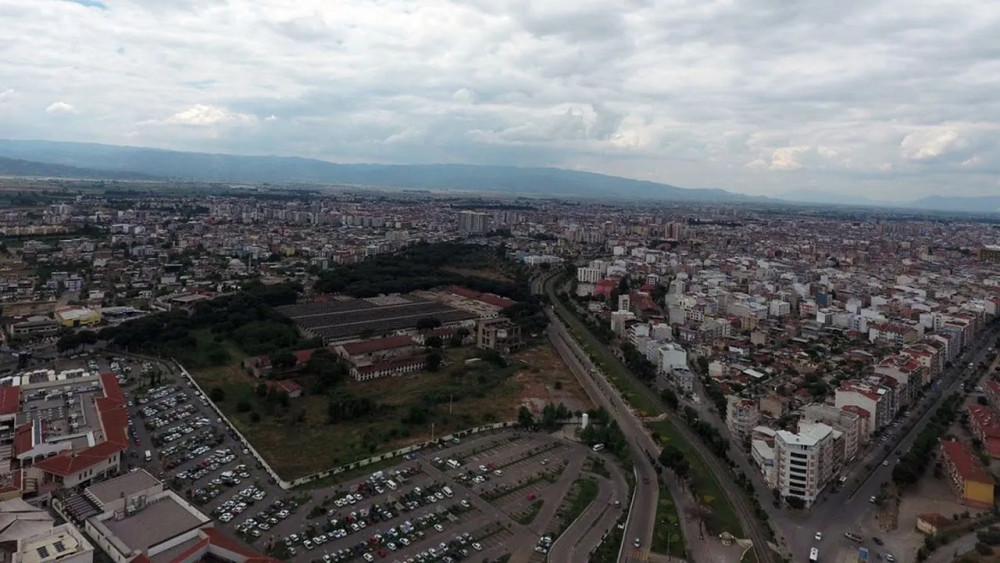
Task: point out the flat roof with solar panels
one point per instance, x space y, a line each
348 319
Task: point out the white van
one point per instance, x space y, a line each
447 492
149 455
598 447
454 464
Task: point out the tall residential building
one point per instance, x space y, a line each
876 400
588 275
472 222
804 461
742 416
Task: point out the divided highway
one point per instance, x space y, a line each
642 515
641 440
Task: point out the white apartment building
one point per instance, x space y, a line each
804 461
588 275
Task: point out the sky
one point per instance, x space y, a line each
888 100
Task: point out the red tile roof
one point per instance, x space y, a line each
965 462
378 344
10 400
391 364
284 386
219 539
303 356
22 439
488 298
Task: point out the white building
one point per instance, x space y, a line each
804 461
588 275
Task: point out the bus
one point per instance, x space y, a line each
813 555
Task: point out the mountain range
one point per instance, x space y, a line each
509 180
93 161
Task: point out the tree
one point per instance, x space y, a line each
217 394
243 406
433 341
524 417
669 397
261 390
795 503
434 360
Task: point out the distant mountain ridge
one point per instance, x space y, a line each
18 167
470 178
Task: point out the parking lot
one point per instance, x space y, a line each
480 506
486 496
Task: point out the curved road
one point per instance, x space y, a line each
637 434
585 533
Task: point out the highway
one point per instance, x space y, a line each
636 433
840 512
642 515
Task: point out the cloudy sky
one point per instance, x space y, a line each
890 99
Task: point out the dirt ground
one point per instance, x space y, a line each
540 380
485 274
929 495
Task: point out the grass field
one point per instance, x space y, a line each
703 483
483 393
668 538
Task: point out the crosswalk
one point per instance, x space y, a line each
637 554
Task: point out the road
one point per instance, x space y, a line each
642 515
636 431
584 535
839 512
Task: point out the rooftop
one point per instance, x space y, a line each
157 522
124 486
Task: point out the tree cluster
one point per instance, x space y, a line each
247 317
913 463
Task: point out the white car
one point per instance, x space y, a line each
819 536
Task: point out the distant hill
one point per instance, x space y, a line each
224 167
984 204
18 167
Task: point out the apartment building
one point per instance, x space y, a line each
985 426
875 400
847 423
804 461
742 415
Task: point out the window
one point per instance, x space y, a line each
43 552
59 546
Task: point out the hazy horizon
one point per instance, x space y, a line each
883 100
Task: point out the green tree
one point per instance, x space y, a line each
524 417
433 341
283 360
434 360
217 394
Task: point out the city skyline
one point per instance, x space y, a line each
881 100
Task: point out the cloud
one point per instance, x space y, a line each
854 96
7 95
60 108
928 143
201 115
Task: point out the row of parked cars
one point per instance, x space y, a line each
264 520
239 503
